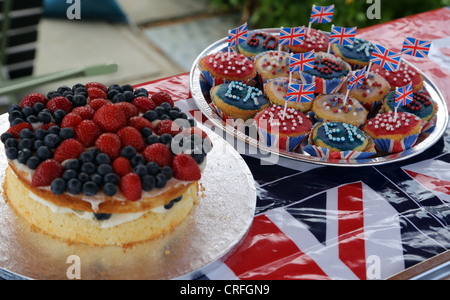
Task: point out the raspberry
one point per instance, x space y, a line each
110 144
158 153
110 118
121 166
161 97
139 123
16 129
130 185
31 99
71 120
46 172
68 149
128 109
185 168
130 136
60 102
144 104
95 93
86 112
96 85
87 132
97 103
167 126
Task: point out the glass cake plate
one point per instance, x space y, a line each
213 230
200 93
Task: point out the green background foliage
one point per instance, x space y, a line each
348 13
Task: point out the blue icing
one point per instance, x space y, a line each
323 63
241 95
360 50
259 42
341 136
422 113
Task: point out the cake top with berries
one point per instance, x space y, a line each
108 145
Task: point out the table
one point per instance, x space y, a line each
315 222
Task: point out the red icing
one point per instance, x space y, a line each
233 64
400 78
314 40
386 124
273 118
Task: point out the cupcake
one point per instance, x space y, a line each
329 73
422 106
332 108
313 40
224 67
394 133
276 91
257 43
402 77
371 93
237 100
282 130
357 54
339 140
272 64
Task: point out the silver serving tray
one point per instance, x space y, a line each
424 141
211 233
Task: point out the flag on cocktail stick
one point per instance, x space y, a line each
385 58
416 47
342 36
403 96
291 36
356 80
321 14
301 62
299 93
237 36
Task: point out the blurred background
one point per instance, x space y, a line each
147 39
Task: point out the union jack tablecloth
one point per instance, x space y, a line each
316 222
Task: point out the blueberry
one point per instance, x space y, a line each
97 179
102 158
15 114
90 188
141 170
11 142
66 133
191 122
5 136
11 152
183 115
161 180
14 107
167 107
79 100
178 199
160 111
95 152
54 130
33 162
88 168
81 91
152 139
167 171
44 152
69 174
74 186
63 89
127 87
166 138
23 156
119 98
129 96
148 182
138 159
164 117
110 189
72 164
58 186
115 87
78 85
39 134
141 92
128 152
32 119
27 111
102 217
83 177
44 117
37 107
59 115
111 178
25 144
112 93
37 144
104 169
173 114
16 121
169 205
150 115
146 132
152 168
52 140
86 157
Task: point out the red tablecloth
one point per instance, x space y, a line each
315 222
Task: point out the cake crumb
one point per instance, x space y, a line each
167 252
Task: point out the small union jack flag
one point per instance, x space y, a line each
292 36
342 35
416 47
322 14
404 95
301 62
357 79
300 92
237 35
386 59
